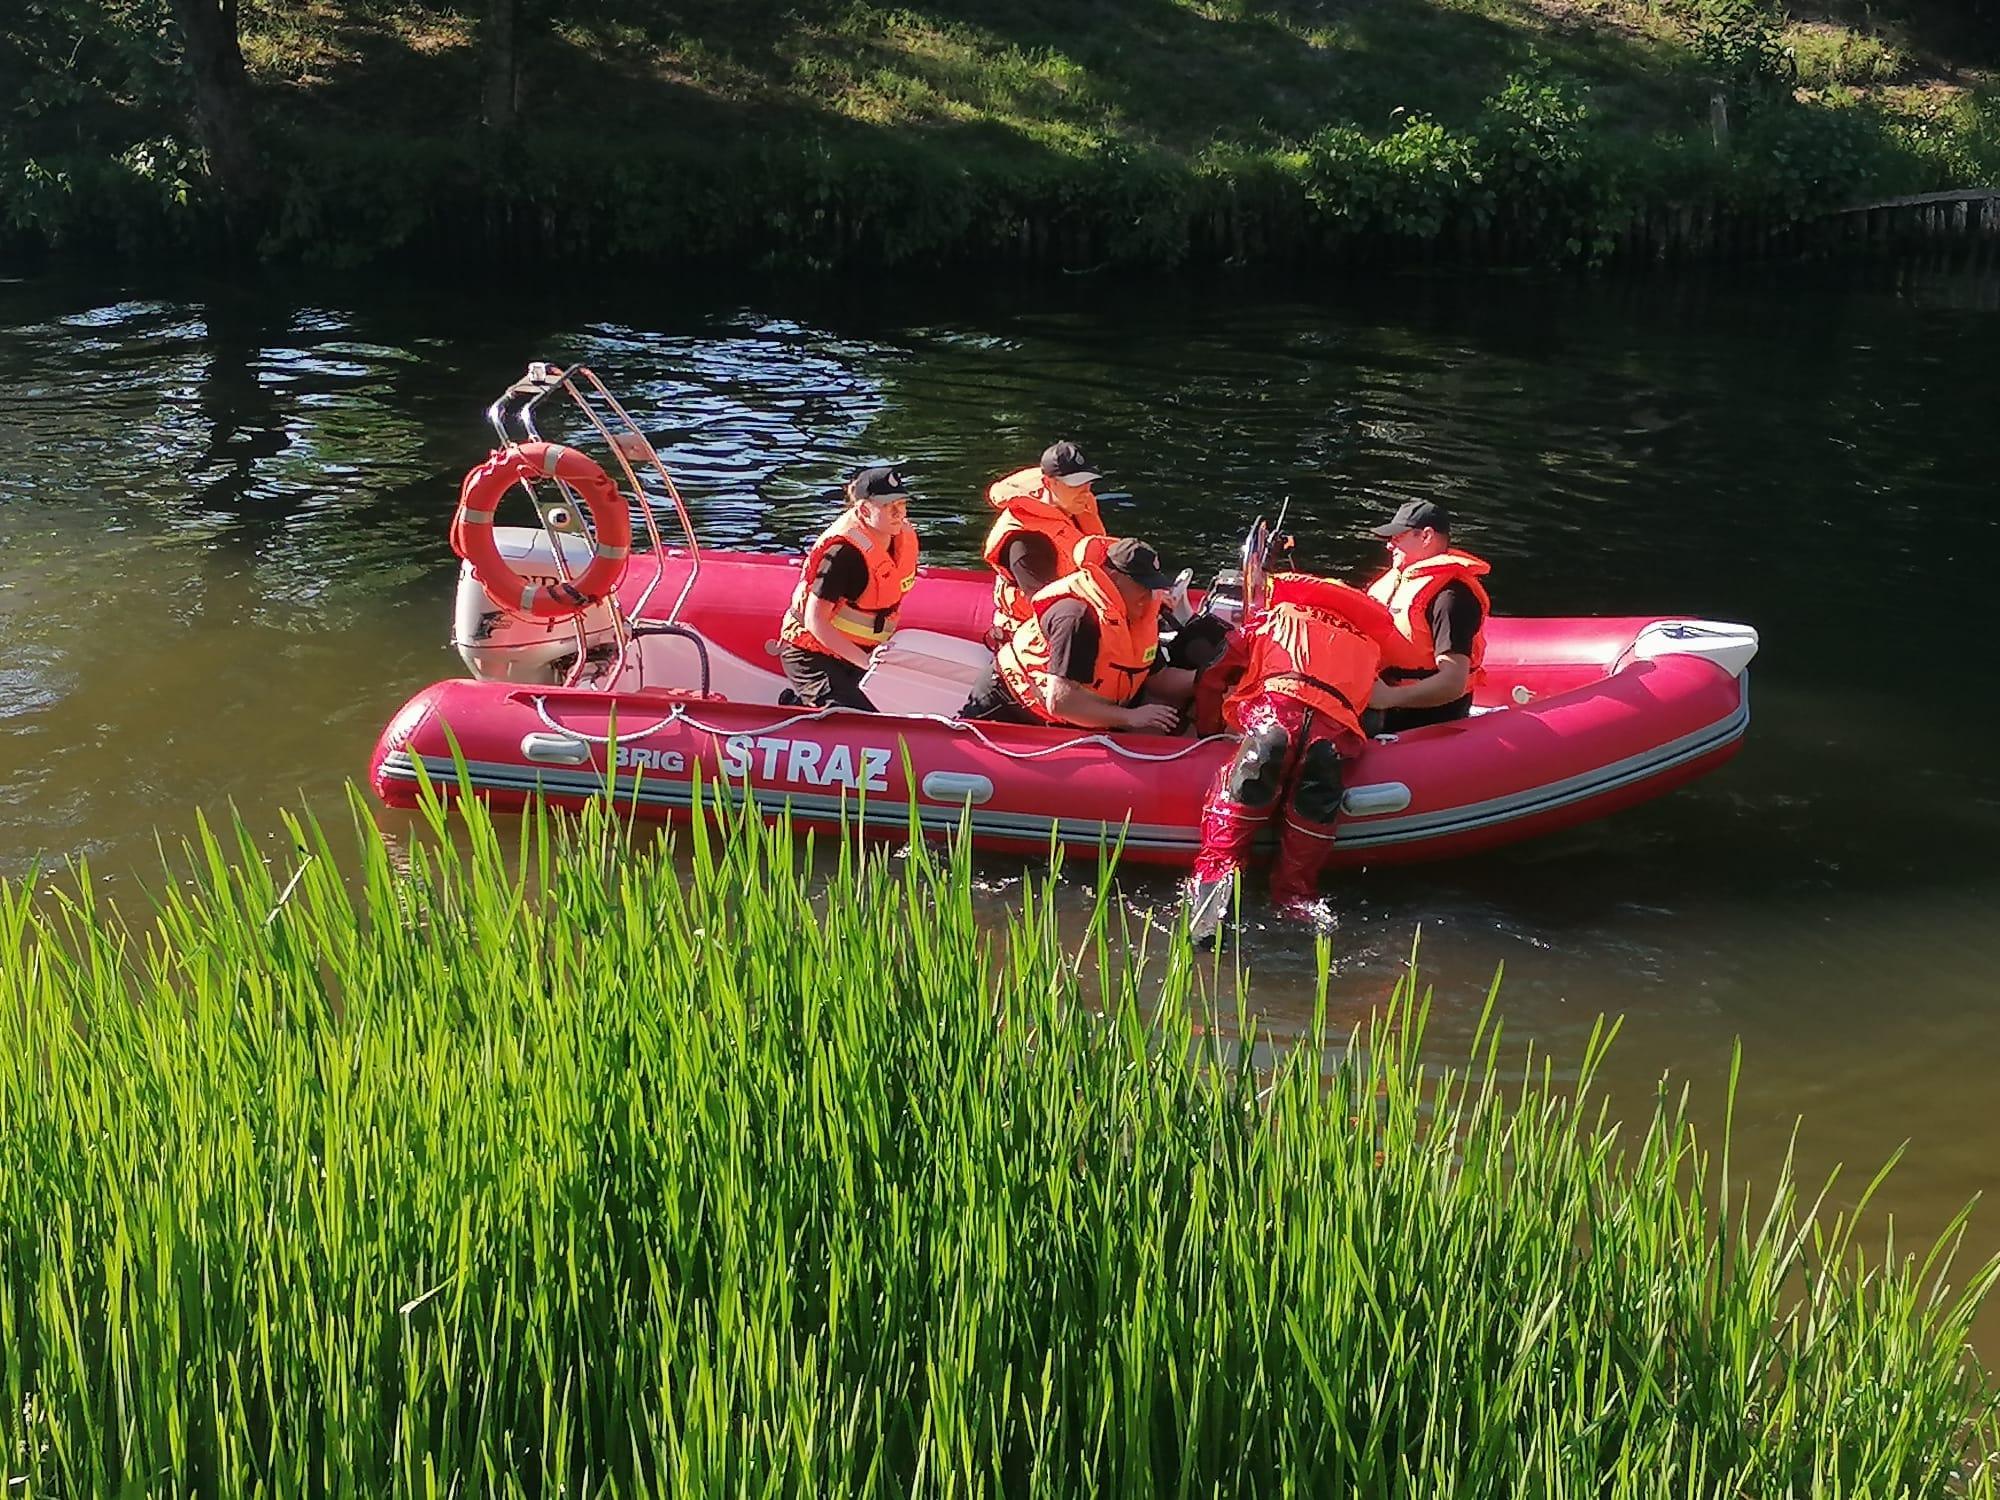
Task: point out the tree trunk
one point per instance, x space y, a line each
221 99
501 64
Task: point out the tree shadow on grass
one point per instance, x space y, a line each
1274 72
1143 73
1943 34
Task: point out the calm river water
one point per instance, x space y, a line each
223 511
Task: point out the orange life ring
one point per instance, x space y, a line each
610 522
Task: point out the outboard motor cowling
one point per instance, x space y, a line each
500 646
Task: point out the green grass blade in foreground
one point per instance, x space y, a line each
526 1159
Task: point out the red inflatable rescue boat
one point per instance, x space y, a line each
672 682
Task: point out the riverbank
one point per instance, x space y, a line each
839 134
552 1166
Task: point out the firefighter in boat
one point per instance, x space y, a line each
850 591
1088 653
1043 514
1433 593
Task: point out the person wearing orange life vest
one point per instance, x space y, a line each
1302 672
1086 654
850 590
1043 513
1433 590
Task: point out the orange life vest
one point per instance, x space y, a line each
1024 505
1125 648
1408 593
1317 658
869 620
1352 606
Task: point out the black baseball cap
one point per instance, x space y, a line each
884 482
1138 562
1415 515
1065 461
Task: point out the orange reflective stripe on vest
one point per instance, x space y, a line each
1023 503
1408 593
1319 659
1125 647
869 620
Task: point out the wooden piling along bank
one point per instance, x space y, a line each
1959 229
1270 223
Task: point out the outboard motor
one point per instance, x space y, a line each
500 646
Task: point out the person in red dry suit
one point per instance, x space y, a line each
1294 685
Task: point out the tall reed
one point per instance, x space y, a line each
531 1162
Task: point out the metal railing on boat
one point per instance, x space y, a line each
512 417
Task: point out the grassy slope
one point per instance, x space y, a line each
829 132
1074 76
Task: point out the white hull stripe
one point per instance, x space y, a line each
881 811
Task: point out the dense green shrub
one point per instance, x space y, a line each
143 201
1554 177
1409 183
1953 143
1795 162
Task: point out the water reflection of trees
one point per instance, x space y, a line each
317 447
244 420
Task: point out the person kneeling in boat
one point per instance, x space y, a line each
1043 513
849 593
1440 607
1293 685
1086 653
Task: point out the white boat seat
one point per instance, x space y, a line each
925 672
670 662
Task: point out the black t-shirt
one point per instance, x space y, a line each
1455 617
843 574
1074 638
1030 560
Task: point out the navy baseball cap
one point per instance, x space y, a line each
884 482
1065 461
1138 562
1415 515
